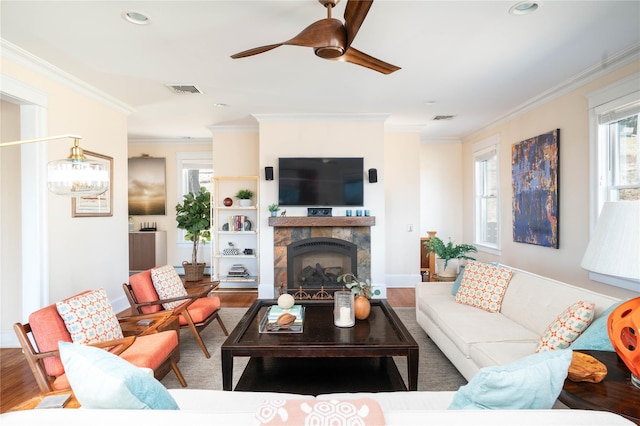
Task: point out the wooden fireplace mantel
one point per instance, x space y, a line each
312 221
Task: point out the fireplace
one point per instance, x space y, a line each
315 263
340 237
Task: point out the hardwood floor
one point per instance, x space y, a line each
18 385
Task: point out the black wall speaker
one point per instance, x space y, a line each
373 175
268 173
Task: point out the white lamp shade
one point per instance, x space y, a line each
614 248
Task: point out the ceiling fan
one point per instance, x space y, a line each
331 39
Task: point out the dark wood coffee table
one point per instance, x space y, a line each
323 358
615 393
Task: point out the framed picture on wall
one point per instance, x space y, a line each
147 186
535 173
99 205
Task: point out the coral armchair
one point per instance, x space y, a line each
151 348
196 308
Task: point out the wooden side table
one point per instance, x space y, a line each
615 393
439 278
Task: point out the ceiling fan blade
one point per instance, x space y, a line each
255 51
354 14
354 56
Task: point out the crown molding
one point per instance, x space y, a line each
591 74
36 64
170 141
435 139
278 118
238 128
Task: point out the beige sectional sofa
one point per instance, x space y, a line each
473 338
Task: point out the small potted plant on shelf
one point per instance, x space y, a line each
273 208
449 255
362 291
245 196
194 216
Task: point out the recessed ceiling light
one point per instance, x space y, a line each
136 18
525 7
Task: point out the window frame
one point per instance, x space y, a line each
607 101
481 151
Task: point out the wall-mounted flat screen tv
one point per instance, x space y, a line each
305 181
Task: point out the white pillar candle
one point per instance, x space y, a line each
345 315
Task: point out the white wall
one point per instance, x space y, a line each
569 113
81 253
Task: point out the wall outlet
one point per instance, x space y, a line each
410 227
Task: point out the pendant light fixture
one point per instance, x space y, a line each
74 176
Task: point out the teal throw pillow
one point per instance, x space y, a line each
533 382
100 379
596 337
457 282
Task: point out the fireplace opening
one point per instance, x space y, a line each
313 263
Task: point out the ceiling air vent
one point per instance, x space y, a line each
184 89
443 117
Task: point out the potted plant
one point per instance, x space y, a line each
194 216
447 252
273 208
245 196
362 291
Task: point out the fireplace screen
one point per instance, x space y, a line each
313 263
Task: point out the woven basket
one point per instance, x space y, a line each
193 272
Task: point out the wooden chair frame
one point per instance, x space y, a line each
183 309
45 382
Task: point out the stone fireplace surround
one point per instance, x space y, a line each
288 230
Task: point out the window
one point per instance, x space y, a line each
195 170
615 152
486 195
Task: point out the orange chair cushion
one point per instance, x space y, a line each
48 329
201 309
142 286
146 351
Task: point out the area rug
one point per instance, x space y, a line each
435 372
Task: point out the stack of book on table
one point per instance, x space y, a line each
269 321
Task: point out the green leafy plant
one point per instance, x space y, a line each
273 207
357 286
194 216
449 251
244 194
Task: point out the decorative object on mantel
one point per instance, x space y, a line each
283 213
194 216
273 208
363 292
448 255
245 196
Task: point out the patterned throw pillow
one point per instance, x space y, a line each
567 327
483 286
168 284
335 412
89 317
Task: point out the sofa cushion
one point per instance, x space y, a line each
168 284
142 286
533 382
100 379
362 411
201 309
596 336
89 317
48 329
487 354
466 325
483 286
567 327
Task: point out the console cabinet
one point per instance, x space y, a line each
235 233
147 250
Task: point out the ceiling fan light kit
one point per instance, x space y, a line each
331 39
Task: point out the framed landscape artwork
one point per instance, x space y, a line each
147 186
99 205
534 172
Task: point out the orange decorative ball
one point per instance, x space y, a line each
623 326
361 307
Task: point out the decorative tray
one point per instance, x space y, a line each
268 322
